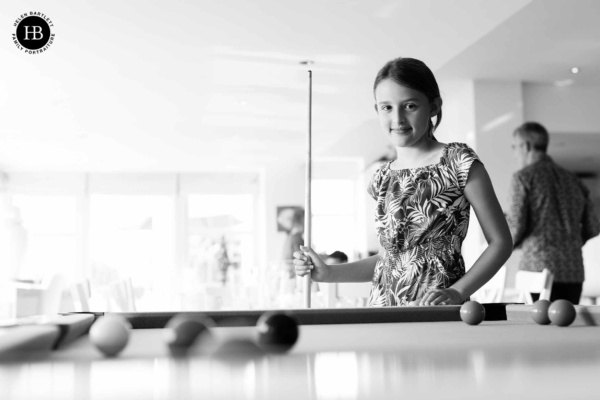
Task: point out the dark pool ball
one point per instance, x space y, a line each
562 312
277 331
472 313
539 312
183 331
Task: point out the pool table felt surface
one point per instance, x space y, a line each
497 359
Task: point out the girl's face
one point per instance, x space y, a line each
404 113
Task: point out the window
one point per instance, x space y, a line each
182 241
46 242
221 255
133 237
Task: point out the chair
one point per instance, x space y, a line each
527 282
591 261
81 294
42 298
121 297
493 290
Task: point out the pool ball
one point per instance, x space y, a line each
110 334
182 331
539 312
277 331
472 313
562 312
414 303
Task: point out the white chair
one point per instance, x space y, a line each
81 294
591 261
493 290
40 298
121 296
527 282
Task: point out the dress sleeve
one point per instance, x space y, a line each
374 187
462 157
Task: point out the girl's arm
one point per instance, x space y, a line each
307 261
480 193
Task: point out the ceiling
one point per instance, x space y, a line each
183 86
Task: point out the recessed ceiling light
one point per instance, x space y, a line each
243 103
575 70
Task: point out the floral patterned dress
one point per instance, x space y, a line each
422 218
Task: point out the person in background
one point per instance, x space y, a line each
423 202
337 257
550 215
293 222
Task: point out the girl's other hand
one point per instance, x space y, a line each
307 261
440 297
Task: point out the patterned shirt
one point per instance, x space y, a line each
551 216
421 217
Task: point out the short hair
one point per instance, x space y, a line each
339 255
413 74
534 134
298 218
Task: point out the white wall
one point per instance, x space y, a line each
567 109
498 111
458 119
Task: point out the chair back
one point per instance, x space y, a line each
591 263
51 295
493 290
535 282
81 293
122 296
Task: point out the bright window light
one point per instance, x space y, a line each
133 237
49 241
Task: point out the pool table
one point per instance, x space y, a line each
404 352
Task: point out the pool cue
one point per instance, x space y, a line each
307 205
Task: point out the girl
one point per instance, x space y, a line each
423 204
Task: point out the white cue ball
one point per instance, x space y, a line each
110 334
